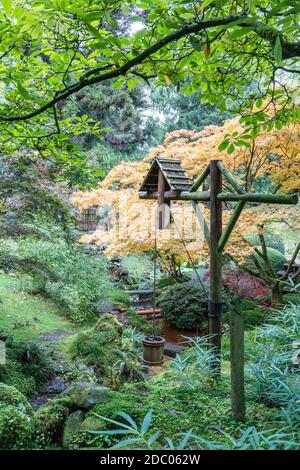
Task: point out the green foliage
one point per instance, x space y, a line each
277 259
194 367
139 269
252 439
27 367
49 421
16 428
141 438
120 298
272 241
273 375
31 202
221 51
184 306
75 279
112 349
252 313
119 111
185 111
35 360
12 374
12 396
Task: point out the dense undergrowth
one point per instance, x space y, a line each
181 406
76 280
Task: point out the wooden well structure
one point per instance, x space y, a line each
167 181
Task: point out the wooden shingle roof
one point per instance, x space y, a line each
173 172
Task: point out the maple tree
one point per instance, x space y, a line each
132 220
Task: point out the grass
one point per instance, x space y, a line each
25 316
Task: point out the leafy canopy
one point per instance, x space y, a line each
51 49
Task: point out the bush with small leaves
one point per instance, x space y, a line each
184 306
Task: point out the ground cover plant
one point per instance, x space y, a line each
91 93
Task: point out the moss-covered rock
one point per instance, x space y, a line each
108 322
50 419
92 423
86 394
99 345
72 427
16 428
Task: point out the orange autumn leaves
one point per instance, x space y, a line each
275 154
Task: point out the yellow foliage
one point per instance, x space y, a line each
275 154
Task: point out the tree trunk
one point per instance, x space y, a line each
277 296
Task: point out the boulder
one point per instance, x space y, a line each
92 423
87 394
72 427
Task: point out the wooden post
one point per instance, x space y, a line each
161 187
215 298
237 363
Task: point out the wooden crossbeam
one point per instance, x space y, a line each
257 197
204 196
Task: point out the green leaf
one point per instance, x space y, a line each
206 3
230 149
146 423
237 33
7 6
195 43
128 419
94 31
223 145
130 84
127 442
278 49
23 92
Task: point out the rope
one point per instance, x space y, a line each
154 277
189 256
155 269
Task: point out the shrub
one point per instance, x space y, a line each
16 425
139 269
12 374
16 428
276 258
184 306
27 367
35 361
75 279
11 396
272 241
